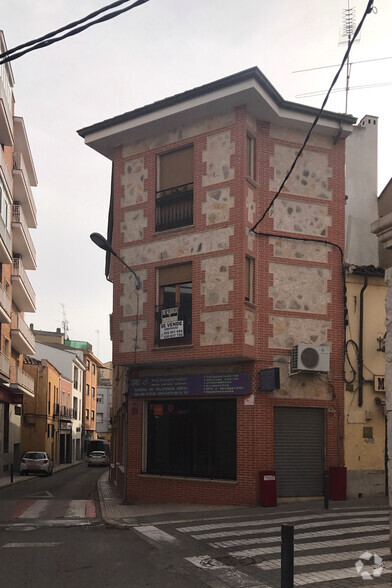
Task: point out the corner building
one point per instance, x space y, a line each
198 411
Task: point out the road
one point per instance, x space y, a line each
52 535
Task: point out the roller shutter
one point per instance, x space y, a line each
299 451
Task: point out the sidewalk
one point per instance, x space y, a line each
5 479
116 513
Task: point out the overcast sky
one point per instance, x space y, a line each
154 51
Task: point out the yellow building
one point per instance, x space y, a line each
40 428
365 436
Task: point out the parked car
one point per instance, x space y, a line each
98 458
36 462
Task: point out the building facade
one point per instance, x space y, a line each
228 360
104 402
17 254
41 414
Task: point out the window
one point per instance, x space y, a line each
92 415
48 431
76 378
192 438
88 364
174 310
99 399
49 406
93 368
87 389
93 391
174 199
86 413
250 156
249 279
99 417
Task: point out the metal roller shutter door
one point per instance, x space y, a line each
299 451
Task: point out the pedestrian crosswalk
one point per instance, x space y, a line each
30 510
331 548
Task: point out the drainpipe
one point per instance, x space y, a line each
360 350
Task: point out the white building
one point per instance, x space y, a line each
69 364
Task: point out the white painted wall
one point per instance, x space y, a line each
361 193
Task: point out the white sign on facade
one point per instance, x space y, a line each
169 315
172 330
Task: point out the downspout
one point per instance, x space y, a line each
360 346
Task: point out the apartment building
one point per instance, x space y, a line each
227 363
104 402
17 257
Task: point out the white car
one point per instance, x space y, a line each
36 462
98 458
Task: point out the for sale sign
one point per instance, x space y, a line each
172 330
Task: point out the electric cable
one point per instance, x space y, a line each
288 174
47 39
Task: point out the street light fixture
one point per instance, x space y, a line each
101 242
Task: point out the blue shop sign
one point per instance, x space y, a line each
192 385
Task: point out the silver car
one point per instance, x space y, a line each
36 462
98 458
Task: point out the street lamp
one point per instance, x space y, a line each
101 242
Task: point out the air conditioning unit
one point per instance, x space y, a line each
309 358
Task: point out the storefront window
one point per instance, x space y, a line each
192 438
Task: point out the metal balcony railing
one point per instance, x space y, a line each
181 334
4 365
66 412
174 207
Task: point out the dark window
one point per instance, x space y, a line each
249 272
93 391
250 156
174 311
192 438
87 389
174 199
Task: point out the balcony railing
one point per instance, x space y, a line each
177 330
66 413
4 367
22 190
22 337
22 290
20 380
174 207
5 305
22 241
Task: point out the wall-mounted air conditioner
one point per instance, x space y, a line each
309 358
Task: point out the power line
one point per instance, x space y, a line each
368 10
362 87
48 39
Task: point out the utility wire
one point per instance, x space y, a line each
369 8
47 39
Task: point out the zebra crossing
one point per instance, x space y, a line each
331 548
48 511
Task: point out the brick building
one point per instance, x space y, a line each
198 409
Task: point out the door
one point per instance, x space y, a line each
299 451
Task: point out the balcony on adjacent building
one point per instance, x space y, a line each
4 368
66 413
22 291
22 337
174 207
20 381
5 243
22 242
22 190
5 305
6 83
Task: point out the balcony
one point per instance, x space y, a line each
5 305
21 381
4 368
174 208
22 190
22 242
5 243
66 414
6 82
176 330
22 291
7 172
22 338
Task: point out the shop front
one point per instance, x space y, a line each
183 437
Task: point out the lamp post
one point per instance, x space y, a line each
104 244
